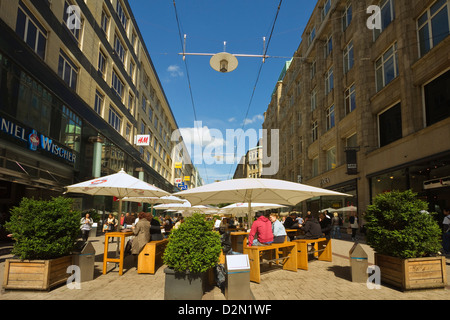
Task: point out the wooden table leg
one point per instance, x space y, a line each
122 247
105 253
253 257
302 255
291 262
326 254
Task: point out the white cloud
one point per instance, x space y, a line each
175 71
258 117
232 119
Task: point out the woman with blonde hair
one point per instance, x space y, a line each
279 232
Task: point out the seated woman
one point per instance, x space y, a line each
279 232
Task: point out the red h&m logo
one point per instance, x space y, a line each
143 140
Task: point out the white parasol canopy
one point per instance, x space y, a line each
250 190
240 209
119 185
186 207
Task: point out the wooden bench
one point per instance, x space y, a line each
284 252
152 252
322 250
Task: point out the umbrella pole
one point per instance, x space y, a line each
249 215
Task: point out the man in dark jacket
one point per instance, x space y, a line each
312 228
325 224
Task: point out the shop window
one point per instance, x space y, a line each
437 99
390 125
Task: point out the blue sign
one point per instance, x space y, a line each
185 187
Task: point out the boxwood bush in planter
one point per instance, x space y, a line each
399 225
194 246
44 229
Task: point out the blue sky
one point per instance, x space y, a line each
220 100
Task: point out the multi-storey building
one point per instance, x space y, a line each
77 85
250 165
363 110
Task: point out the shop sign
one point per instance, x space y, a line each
35 140
142 140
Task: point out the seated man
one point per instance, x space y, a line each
261 231
311 228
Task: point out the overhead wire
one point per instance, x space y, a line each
189 81
257 80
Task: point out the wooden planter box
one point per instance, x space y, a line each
36 274
415 273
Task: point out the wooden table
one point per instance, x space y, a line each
322 250
287 252
121 236
235 245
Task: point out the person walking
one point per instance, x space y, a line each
353 225
336 223
86 225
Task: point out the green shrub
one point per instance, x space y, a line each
44 229
398 225
194 246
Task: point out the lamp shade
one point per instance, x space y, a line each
223 62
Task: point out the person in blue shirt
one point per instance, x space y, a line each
279 232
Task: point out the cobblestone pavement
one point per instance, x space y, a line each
323 281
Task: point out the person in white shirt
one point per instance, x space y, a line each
446 231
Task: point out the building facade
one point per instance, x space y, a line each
75 93
363 110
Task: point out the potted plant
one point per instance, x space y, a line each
45 233
193 248
407 240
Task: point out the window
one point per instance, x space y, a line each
348 57
313 69
119 48
313 100
314 131
347 17
128 132
329 81
331 158
130 102
76 32
329 46
102 63
351 141
330 117
144 103
390 125
387 67
98 103
143 127
121 14
104 23
315 167
326 8
115 120
433 26
300 145
131 69
350 99
387 16
117 84
312 36
31 31
437 99
67 70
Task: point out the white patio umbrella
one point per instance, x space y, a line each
328 209
250 190
240 209
155 200
349 208
119 185
186 206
